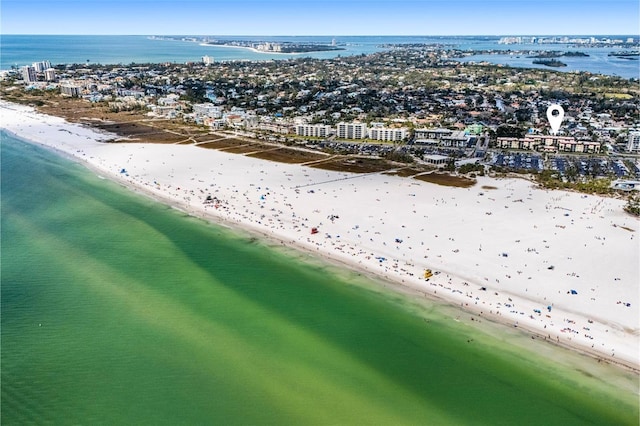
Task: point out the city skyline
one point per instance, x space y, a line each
324 18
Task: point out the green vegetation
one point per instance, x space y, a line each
399 157
446 179
468 168
549 63
510 132
551 179
633 205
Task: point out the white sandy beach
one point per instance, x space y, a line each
253 49
512 254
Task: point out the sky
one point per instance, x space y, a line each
321 17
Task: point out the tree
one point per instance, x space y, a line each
633 205
510 131
450 166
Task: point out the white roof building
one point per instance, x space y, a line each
633 143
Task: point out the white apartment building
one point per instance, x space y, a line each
457 139
207 60
70 88
41 66
633 143
314 130
441 137
548 143
432 134
351 130
207 110
50 74
29 74
387 134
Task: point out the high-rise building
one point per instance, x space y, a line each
387 134
29 74
633 143
41 66
50 74
207 60
351 130
314 130
70 88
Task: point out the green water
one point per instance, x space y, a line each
118 310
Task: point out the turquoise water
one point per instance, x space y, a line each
118 310
19 50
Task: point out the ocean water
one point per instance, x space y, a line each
598 62
19 50
25 49
119 310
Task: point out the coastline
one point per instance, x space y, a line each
252 49
281 202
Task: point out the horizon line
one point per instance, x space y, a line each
331 35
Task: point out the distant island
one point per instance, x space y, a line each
556 54
575 54
550 63
259 46
276 47
629 55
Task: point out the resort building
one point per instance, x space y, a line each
281 128
441 137
549 143
457 139
351 130
72 89
41 66
213 123
579 146
50 74
387 134
633 143
167 111
29 74
314 130
269 47
207 60
430 136
207 110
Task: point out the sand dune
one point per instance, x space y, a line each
563 265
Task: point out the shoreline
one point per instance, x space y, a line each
253 49
400 268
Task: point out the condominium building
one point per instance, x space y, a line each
282 128
428 135
207 110
50 74
457 139
579 146
387 134
442 137
41 66
351 130
314 130
633 143
548 143
29 74
207 60
70 88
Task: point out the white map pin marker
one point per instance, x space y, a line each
555 115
